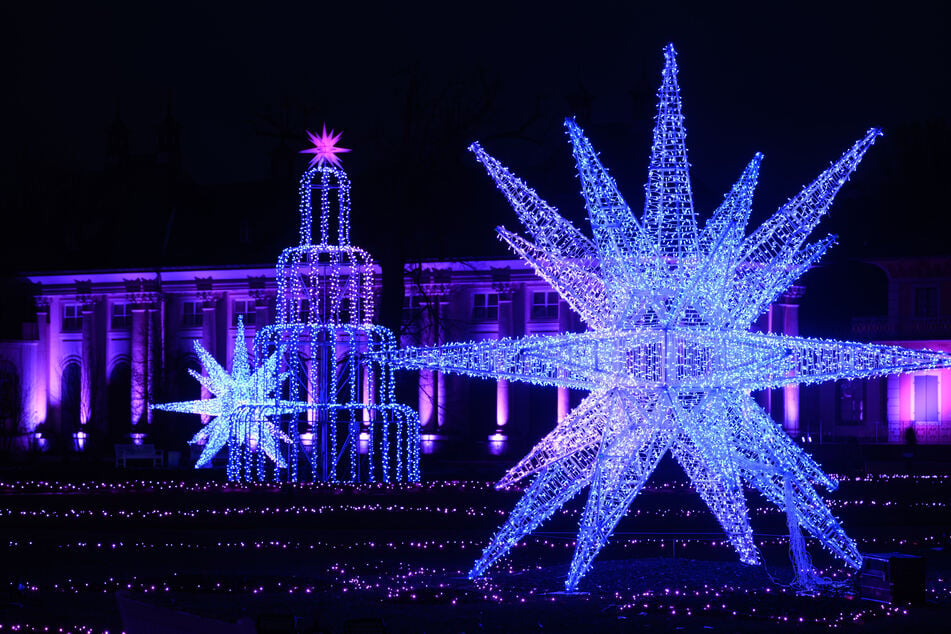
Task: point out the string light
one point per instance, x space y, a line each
668 359
333 353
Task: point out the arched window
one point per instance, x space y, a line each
119 406
10 408
71 381
179 428
184 386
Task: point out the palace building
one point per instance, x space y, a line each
104 345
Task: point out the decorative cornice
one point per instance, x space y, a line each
203 286
142 291
257 288
792 295
505 290
84 292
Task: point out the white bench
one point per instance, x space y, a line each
138 452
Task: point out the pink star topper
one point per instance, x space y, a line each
325 149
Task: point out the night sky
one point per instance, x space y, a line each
411 85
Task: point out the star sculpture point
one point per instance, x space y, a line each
668 358
324 148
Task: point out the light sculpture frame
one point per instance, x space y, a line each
322 404
668 359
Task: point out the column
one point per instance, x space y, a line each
441 376
88 364
209 334
502 386
42 375
427 378
427 397
432 384
139 345
153 356
789 325
369 388
564 325
893 408
54 383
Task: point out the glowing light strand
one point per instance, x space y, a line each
668 358
334 356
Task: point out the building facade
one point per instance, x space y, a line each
104 345
911 408
495 299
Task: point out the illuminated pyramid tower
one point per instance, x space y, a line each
348 426
318 402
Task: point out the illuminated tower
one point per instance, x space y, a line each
318 403
349 427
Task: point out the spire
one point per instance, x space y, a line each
734 212
668 208
547 227
786 230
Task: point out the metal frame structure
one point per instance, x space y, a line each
668 357
322 404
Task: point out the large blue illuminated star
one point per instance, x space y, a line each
243 401
668 358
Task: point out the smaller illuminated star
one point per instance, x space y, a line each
242 402
325 148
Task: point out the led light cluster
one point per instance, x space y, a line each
668 359
333 353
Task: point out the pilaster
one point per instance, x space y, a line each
42 378
505 329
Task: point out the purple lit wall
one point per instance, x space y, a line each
903 402
157 337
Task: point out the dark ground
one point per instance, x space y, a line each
397 556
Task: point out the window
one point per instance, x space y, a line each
411 304
545 305
303 315
71 403
852 401
72 317
412 315
243 308
485 307
191 314
926 301
121 316
926 398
